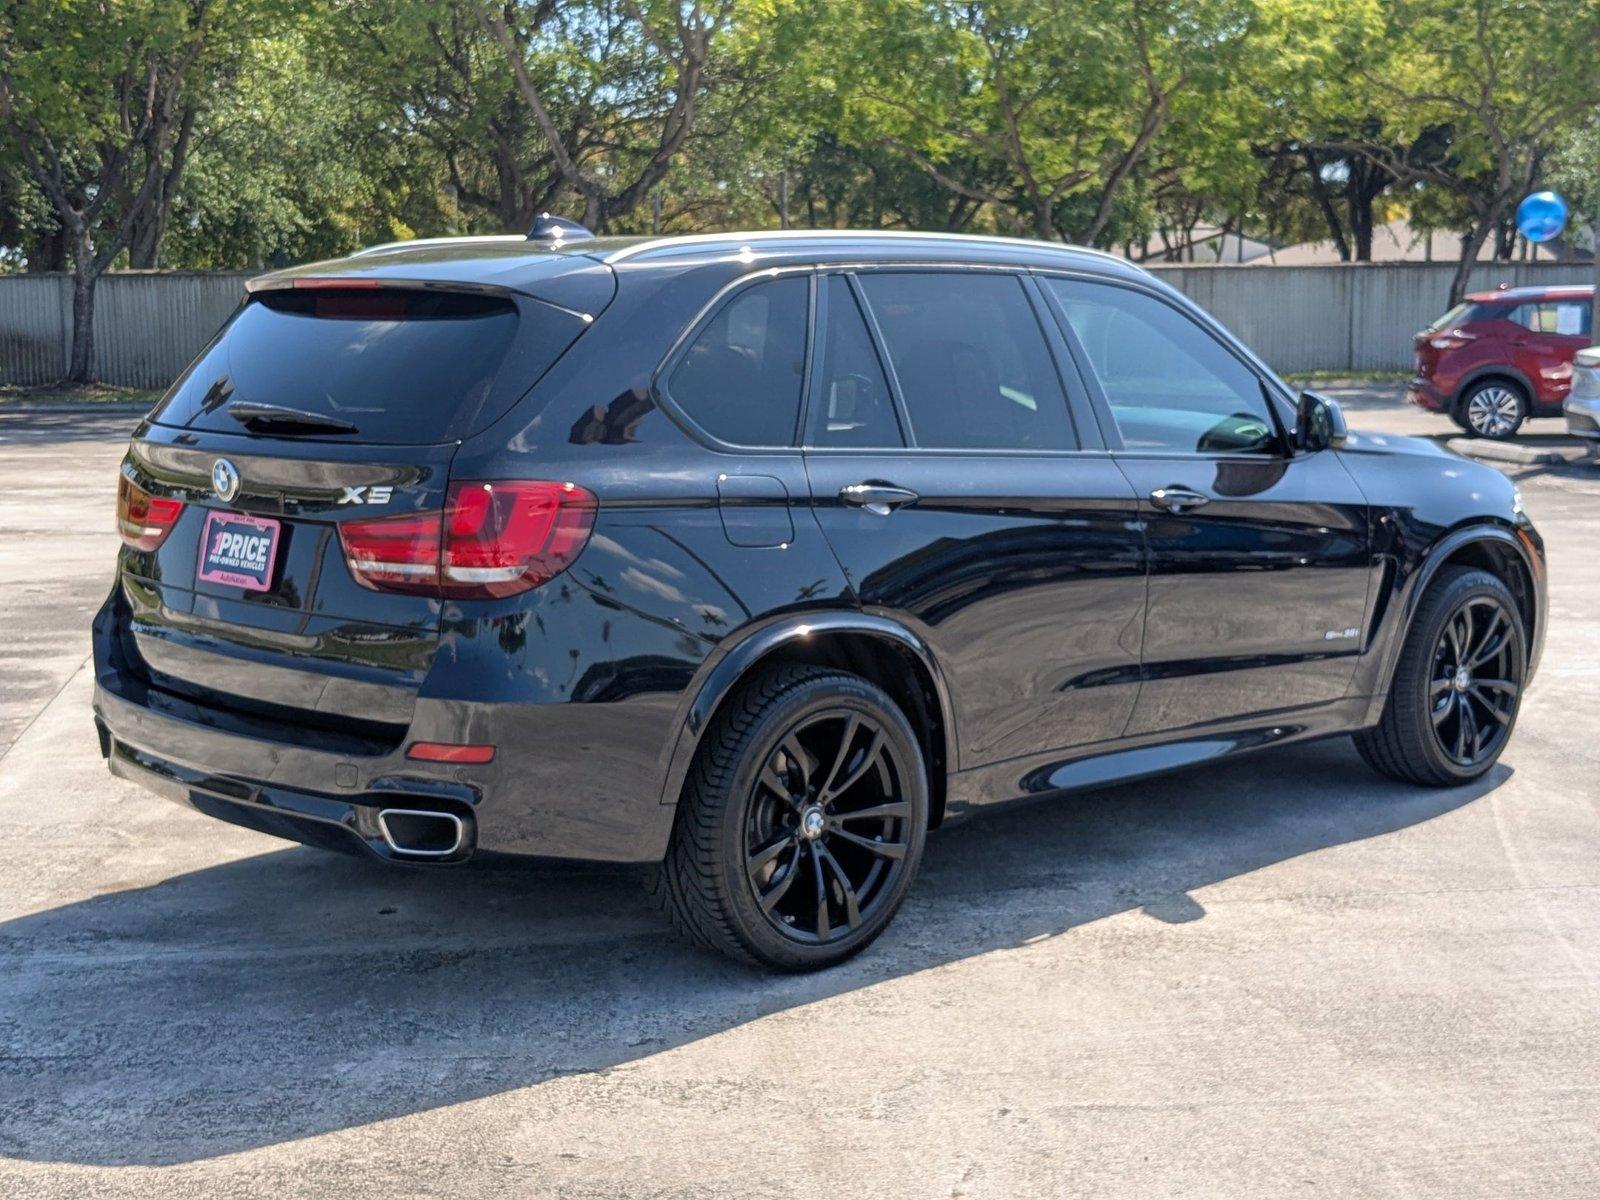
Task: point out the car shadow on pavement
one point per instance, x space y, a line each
297 993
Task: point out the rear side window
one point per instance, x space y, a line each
1466 313
741 376
1566 318
971 360
400 365
857 408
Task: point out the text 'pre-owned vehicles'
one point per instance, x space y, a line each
752 558
1500 357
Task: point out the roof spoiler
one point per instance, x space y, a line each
550 228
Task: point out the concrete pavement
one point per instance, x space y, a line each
1282 977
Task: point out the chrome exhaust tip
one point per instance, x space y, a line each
421 833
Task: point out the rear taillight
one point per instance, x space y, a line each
394 554
143 520
1453 340
493 539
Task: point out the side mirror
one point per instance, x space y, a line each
1319 423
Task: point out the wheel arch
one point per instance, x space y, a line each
1498 549
877 648
1504 371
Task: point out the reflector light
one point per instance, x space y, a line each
143 520
494 538
450 752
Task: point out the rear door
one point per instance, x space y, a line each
315 407
951 480
1260 559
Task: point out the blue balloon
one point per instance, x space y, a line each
1542 216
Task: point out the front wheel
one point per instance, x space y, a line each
1458 686
802 822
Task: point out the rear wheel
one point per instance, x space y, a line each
1493 408
802 823
1457 688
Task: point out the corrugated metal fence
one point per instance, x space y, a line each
148 325
1343 318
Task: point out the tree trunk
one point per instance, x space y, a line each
1319 193
80 367
1361 224
1470 245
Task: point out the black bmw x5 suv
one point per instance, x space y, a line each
753 558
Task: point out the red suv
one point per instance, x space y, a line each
1500 357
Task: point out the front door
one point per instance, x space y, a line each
1260 559
950 479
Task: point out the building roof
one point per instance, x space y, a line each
1397 242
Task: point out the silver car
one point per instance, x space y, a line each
1583 401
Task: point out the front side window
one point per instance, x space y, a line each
740 379
972 362
1172 387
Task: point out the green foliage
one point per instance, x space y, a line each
323 125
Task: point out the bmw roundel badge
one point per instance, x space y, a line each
224 480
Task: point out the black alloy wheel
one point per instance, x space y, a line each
1476 680
827 826
802 822
1456 690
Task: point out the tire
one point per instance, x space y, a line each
1493 408
770 861
1441 727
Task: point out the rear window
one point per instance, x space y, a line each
400 365
1467 312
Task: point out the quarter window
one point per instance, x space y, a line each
1172 387
740 380
971 360
857 408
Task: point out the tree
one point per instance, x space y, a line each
1575 173
295 161
1496 81
99 99
1040 110
644 69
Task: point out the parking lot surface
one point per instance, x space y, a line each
1281 977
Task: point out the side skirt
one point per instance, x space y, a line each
1040 777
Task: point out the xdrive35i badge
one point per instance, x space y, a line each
224 480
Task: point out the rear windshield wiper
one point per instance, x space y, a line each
275 418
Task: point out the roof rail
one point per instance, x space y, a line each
550 228
648 246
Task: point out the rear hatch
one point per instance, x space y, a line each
321 403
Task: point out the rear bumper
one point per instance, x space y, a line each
1424 394
545 796
330 822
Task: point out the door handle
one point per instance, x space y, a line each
1176 499
880 499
